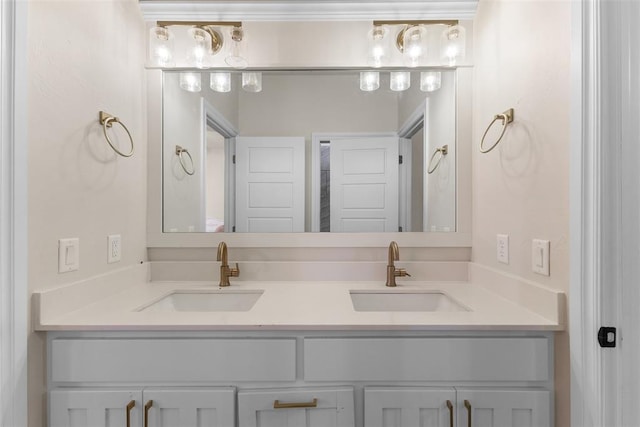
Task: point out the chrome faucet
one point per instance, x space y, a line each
392 271
225 270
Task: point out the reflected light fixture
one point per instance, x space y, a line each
430 81
191 82
236 58
399 81
220 82
252 82
453 44
161 47
369 81
378 46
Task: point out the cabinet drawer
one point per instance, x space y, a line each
169 360
316 407
426 359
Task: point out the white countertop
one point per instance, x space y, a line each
292 305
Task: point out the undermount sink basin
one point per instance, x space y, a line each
202 300
404 301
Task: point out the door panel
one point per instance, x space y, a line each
408 406
504 408
191 407
364 184
94 408
270 184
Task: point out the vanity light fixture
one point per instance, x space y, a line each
220 82
252 82
206 40
161 47
414 45
430 81
399 80
236 58
453 44
191 82
369 81
378 46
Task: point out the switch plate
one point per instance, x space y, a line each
68 255
114 248
502 248
540 256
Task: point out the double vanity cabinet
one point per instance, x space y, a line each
292 378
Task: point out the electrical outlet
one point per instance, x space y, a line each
68 255
540 257
502 248
114 248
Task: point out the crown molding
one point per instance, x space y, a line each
299 10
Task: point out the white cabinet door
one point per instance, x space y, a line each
503 408
270 183
95 408
190 407
409 407
315 408
364 184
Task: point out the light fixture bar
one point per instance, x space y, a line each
201 23
418 22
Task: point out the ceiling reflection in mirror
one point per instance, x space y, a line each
309 151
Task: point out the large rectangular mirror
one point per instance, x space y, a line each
310 151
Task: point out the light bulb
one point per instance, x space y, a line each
252 82
191 82
201 42
453 45
220 82
414 45
430 81
160 47
400 80
369 80
378 46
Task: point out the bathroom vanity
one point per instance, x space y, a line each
297 353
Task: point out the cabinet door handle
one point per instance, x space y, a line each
467 405
450 406
130 406
147 406
282 405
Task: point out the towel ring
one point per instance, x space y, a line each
107 120
506 117
444 150
179 152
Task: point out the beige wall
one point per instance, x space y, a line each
522 53
83 56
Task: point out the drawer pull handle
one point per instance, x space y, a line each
284 405
130 406
450 406
147 406
467 405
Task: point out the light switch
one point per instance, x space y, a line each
540 256
68 255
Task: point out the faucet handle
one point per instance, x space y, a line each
234 272
401 272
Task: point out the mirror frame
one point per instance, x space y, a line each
460 238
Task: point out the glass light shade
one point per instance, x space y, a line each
414 45
453 45
399 81
191 82
369 80
430 81
160 47
252 82
378 46
199 49
220 82
236 57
